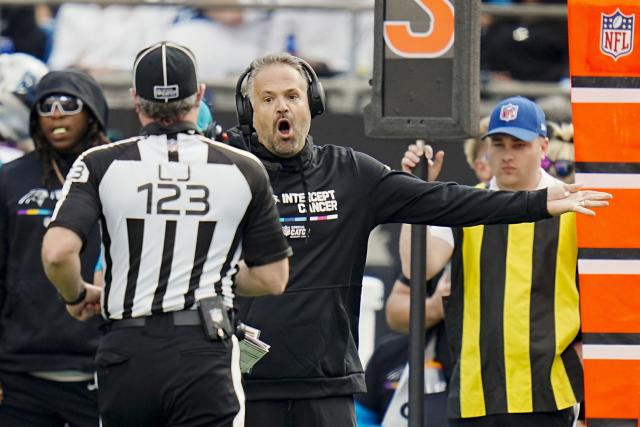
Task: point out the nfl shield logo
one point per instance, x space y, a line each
508 112
616 34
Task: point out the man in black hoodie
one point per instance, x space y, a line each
329 199
46 357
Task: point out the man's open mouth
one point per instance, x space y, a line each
284 127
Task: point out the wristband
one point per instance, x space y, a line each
79 298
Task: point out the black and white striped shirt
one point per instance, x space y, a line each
176 216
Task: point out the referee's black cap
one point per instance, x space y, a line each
165 72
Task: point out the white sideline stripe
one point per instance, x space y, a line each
589 95
609 180
608 266
611 352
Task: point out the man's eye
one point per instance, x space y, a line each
294 96
267 100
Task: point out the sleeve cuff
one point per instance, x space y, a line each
272 257
71 227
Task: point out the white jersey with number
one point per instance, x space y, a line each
176 216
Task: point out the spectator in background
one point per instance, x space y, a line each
46 357
324 38
223 40
20 32
387 374
526 48
102 39
559 160
19 74
476 152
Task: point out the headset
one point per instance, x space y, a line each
315 94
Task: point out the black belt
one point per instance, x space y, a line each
180 318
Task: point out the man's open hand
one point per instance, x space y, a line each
570 198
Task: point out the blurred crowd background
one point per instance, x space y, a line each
523 45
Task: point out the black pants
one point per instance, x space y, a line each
324 412
35 402
165 375
562 418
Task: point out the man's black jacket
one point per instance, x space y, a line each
329 199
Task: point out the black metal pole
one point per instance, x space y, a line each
417 314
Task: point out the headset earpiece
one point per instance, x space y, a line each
243 104
315 91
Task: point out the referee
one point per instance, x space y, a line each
177 210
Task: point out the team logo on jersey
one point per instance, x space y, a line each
37 196
79 172
616 34
508 112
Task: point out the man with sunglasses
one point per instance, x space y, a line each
512 317
46 357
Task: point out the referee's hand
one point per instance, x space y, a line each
88 307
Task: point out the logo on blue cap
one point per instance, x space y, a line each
519 117
508 112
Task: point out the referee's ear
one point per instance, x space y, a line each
201 89
133 95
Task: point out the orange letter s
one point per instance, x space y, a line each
433 43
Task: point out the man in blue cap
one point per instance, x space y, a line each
513 317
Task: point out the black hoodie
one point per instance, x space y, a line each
313 327
36 332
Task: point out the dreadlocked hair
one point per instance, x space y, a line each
92 138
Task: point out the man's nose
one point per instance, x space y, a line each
282 106
57 111
508 154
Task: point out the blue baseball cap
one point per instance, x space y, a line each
519 117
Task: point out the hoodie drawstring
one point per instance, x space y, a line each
305 188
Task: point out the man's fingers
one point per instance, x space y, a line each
583 210
436 166
412 157
428 151
596 203
438 161
596 195
573 188
413 148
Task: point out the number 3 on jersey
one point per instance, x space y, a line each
170 197
435 42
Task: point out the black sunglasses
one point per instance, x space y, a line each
66 104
